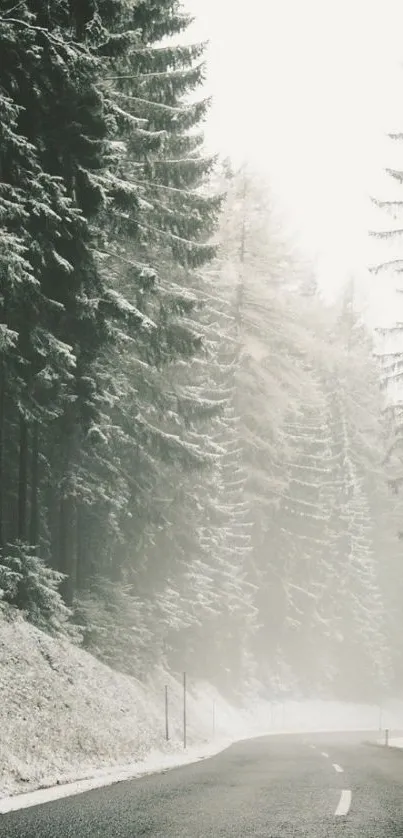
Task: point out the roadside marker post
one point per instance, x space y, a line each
184 711
166 715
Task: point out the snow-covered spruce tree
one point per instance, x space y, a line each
57 130
71 44
16 279
199 601
301 538
386 267
148 259
359 521
342 632
292 455
28 584
38 218
224 525
390 548
255 273
158 411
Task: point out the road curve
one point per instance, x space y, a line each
311 786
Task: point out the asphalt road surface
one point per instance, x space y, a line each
312 786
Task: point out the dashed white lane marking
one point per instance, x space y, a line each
338 768
344 803
313 747
324 754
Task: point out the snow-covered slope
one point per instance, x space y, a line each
65 716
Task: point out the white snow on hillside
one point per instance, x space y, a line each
64 716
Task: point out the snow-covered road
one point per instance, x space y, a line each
300 785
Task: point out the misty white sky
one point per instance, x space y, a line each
306 90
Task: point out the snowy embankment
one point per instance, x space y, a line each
64 716
394 742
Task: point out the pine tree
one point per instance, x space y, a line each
257 272
149 256
358 520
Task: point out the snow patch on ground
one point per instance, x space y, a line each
393 741
66 717
154 763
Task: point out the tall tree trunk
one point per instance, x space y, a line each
52 509
23 480
67 552
34 519
81 574
81 12
2 463
67 524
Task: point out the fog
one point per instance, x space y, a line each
200 407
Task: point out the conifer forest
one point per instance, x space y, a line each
200 458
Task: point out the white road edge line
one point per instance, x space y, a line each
338 768
324 754
344 803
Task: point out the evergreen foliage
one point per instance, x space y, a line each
191 444
386 270
28 584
